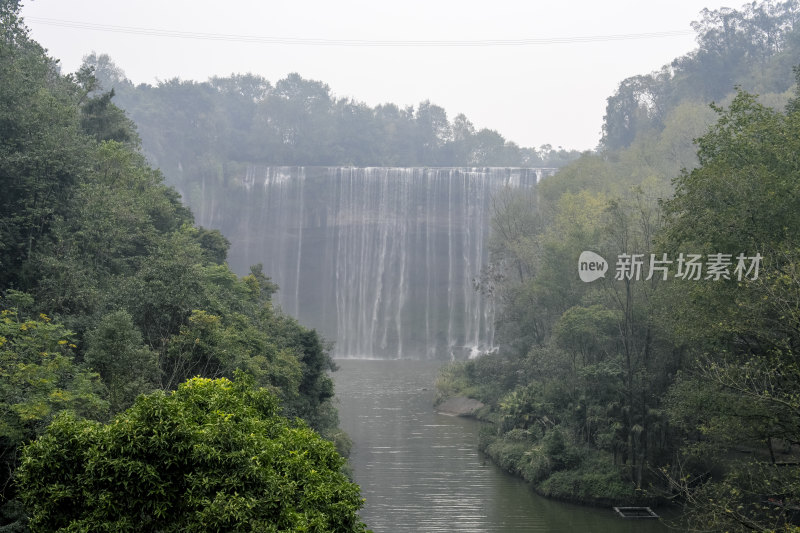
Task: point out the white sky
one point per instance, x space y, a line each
532 94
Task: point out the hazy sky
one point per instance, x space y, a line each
546 82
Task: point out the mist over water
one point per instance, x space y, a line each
382 260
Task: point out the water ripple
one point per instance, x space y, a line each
421 472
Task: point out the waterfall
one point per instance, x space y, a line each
382 261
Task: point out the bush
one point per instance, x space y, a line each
596 480
521 435
557 468
212 456
509 455
538 468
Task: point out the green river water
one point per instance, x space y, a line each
420 471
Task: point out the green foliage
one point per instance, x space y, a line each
509 455
40 375
141 298
611 359
588 333
200 133
128 368
201 348
585 357
748 331
450 381
597 481
559 469
482 378
213 455
41 149
527 406
38 379
105 121
752 178
642 373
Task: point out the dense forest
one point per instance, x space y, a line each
675 376
111 299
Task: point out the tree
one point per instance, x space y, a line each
629 111
741 390
433 132
90 230
753 47
588 334
488 149
42 154
128 368
201 348
301 110
106 74
105 121
463 134
39 377
742 199
212 456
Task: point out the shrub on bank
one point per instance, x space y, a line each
557 468
508 454
487 379
595 480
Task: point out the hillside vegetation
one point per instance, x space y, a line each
110 293
674 377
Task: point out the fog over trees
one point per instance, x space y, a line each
190 128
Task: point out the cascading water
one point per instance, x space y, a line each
380 260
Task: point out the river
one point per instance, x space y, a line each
420 471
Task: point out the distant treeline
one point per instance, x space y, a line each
195 129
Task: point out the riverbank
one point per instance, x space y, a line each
543 454
558 470
420 470
460 406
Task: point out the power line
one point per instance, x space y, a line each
297 41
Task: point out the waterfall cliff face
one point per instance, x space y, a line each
382 261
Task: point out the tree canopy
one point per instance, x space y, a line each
754 47
108 290
214 455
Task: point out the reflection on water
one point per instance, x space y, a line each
420 471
